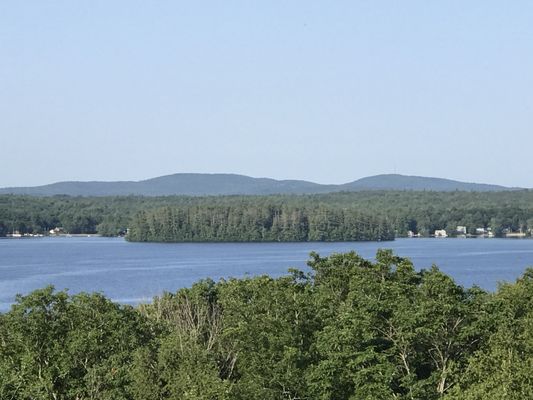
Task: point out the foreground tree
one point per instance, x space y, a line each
348 329
53 346
501 369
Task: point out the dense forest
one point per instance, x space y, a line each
250 223
349 329
419 212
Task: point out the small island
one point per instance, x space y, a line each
257 223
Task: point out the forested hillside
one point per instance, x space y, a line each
420 212
233 184
351 329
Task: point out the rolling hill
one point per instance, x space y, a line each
228 184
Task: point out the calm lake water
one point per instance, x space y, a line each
135 272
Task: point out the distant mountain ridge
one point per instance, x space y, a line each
193 184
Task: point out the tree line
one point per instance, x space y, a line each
348 329
252 223
419 212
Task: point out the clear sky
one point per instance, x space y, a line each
328 91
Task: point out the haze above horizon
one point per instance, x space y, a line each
302 90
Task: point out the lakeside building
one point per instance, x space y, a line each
441 233
515 234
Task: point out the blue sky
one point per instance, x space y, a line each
323 91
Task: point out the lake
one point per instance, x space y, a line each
135 272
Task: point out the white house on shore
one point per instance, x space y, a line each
441 233
56 231
461 230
